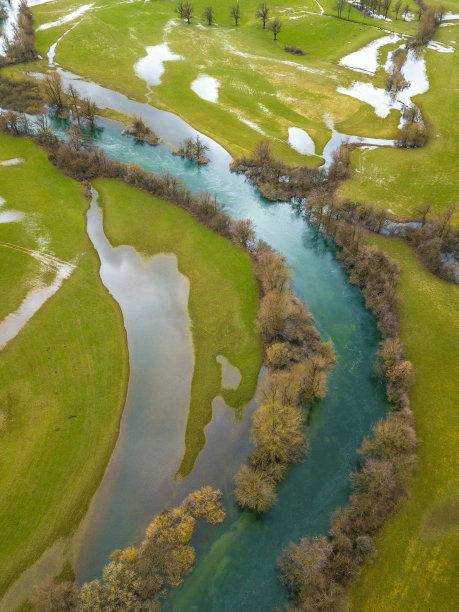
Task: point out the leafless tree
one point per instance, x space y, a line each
208 15
235 13
263 13
275 26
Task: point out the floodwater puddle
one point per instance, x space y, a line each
231 376
66 18
366 58
52 50
15 161
206 87
11 216
151 68
301 141
34 300
377 97
414 73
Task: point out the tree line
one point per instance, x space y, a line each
185 10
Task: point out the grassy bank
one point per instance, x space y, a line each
418 549
263 90
63 378
223 297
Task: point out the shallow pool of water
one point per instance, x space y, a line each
151 68
206 87
301 141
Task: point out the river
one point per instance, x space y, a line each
236 562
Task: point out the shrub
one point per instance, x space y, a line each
253 490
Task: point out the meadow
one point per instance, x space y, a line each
262 89
63 378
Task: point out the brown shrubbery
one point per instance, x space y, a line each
298 362
138 576
22 95
317 571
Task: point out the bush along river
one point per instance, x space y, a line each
236 562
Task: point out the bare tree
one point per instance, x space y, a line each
74 102
89 110
275 26
423 211
235 13
349 8
53 91
208 15
397 8
185 11
406 10
263 13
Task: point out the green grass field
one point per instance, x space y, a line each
223 299
263 90
63 378
419 549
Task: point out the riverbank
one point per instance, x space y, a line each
417 550
63 379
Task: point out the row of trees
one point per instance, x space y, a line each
185 10
374 7
137 577
298 364
21 46
318 570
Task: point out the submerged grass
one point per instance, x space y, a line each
223 299
63 378
418 555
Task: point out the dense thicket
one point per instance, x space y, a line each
137 578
